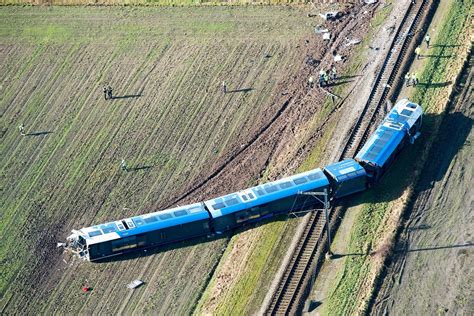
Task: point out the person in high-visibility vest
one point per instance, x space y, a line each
407 79
322 77
311 82
418 52
414 78
333 73
427 40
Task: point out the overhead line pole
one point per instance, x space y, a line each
316 195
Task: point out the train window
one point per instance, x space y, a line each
180 213
271 188
285 185
244 197
95 233
300 180
109 229
232 201
411 105
314 176
165 216
407 112
402 119
138 221
251 196
150 219
260 192
218 205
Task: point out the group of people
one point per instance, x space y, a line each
418 48
411 79
325 76
107 92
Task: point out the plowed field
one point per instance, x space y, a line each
170 121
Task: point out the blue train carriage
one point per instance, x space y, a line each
346 177
149 230
265 200
401 125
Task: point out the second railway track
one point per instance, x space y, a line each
290 290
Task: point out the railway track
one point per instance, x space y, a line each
291 288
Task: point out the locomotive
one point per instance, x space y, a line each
224 213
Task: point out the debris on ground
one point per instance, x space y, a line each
331 16
134 284
312 61
338 58
327 36
319 29
370 1
86 289
352 41
61 244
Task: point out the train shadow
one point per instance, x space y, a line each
454 130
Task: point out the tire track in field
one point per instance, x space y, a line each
20 75
26 171
30 111
187 72
174 149
99 160
59 143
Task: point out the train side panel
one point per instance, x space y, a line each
265 200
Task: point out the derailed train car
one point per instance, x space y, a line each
402 125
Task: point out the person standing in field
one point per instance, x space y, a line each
311 82
333 73
105 92
418 52
123 165
224 86
427 40
109 92
322 78
407 79
22 129
414 79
